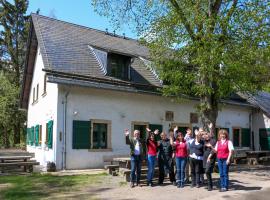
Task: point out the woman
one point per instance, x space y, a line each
209 163
196 158
165 160
180 158
151 145
224 149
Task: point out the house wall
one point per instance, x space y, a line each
123 108
259 120
42 111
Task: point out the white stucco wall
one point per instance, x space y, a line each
259 120
123 108
42 111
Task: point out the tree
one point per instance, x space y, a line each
209 49
13 37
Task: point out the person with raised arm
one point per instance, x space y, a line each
224 150
188 138
208 164
137 154
151 145
196 158
180 158
165 160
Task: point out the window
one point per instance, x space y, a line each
182 127
100 134
37 91
34 97
169 115
118 66
141 126
45 85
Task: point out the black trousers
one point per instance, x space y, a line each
208 171
166 165
196 170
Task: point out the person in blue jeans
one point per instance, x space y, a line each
224 150
137 153
180 158
151 145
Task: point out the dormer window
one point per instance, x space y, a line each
118 66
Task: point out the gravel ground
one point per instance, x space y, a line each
252 184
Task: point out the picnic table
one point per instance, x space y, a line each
124 162
255 156
17 162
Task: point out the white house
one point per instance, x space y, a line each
82 87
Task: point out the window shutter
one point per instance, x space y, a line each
28 136
37 135
81 134
32 136
245 132
50 134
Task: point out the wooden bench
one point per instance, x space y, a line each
112 169
17 162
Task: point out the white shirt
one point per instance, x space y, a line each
137 148
230 145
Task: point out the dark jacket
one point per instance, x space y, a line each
208 151
132 143
165 149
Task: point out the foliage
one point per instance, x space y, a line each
13 36
209 49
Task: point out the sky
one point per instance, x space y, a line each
79 12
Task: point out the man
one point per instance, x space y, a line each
137 154
165 160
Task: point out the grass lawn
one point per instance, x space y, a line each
37 186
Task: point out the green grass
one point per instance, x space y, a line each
37 186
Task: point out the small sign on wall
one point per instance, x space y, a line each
194 119
169 116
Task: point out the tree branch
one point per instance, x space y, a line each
183 18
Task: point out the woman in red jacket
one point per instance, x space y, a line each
180 158
224 149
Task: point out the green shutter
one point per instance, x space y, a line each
245 132
32 136
81 134
153 127
264 138
50 134
236 137
28 136
37 135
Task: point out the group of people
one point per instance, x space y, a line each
191 155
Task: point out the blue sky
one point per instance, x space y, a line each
76 11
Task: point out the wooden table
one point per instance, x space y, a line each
254 156
124 162
9 161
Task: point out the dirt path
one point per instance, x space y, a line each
253 185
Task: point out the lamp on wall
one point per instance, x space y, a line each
75 113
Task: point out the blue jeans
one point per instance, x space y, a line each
180 169
136 165
223 172
151 167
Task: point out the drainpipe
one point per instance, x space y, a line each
64 152
251 129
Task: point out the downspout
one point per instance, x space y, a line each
251 129
64 131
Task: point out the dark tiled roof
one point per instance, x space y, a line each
261 100
64 47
